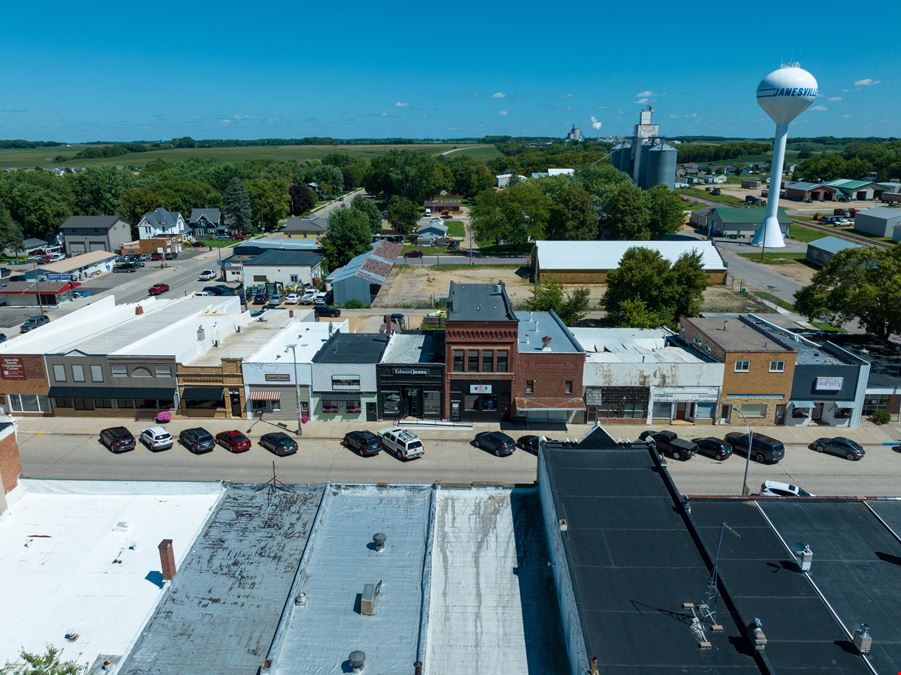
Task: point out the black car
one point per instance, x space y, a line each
198 440
494 441
326 310
279 443
366 443
764 449
840 447
33 322
117 439
124 267
2 337
670 444
260 299
453 243
224 289
713 447
528 443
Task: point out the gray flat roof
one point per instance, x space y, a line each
318 636
478 302
352 348
733 335
414 348
222 609
808 352
79 222
535 326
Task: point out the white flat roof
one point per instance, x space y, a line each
606 255
75 263
82 556
630 345
256 333
309 336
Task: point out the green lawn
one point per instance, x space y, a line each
219 243
455 228
763 295
775 257
45 157
827 327
727 200
805 234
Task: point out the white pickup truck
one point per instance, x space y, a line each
401 443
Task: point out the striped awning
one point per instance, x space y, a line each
265 396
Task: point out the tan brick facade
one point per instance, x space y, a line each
228 375
10 464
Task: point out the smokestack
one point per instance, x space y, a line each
546 343
139 310
167 559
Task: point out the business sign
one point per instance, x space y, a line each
12 368
829 383
277 377
59 277
480 389
409 371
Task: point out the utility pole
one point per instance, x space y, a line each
293 348
37 286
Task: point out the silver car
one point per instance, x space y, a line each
156 438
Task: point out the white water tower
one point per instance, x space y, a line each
783 94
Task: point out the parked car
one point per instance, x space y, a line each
279 443
117 439
170 256
2 337
765 449
206 275
840 447
366 443
198 440
260 299
156 256
124 267
496 442
401 443
326 310
274 300
453 243
158 289
670 444
713 447
413 254
233 441
308 297
156 438
292 299
772 488
529 443
33 322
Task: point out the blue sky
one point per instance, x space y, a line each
153 70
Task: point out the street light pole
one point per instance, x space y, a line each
744 483
293 348
37 286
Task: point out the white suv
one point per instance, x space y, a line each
206 275
401 443
772 488
156 438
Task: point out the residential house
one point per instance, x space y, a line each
430 231
83 234
28 247
207 224
304 228
162 224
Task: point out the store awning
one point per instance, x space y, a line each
265 396
802 404
202 394
844 404
533 404
111 392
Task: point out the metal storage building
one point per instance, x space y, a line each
362 277
880 221
820 251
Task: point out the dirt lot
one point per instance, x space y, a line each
417 286
797 271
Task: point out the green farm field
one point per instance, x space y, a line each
46 157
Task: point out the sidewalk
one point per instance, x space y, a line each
867 434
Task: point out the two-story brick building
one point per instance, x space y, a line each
758 372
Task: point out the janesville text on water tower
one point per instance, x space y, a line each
645 156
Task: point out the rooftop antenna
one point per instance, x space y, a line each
705 613
273 485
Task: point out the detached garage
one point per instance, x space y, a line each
821 251
588 262
880 221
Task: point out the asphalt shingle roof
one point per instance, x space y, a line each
81 222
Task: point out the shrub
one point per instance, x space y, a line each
880 417
354 304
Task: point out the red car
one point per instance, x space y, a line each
413 254
156 256
233 441
157 289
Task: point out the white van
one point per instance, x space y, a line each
428 212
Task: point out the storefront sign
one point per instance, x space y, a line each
409 371
12 368
59 277
277 377
480 389
829 383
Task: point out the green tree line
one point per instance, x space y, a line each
857 160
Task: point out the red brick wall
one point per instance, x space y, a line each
10 466
549 372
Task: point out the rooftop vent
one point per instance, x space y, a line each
300 600
71 636
805 555
378 540
201 334
725 325
139 310
368 598
357 660
862 639
758 638
546 343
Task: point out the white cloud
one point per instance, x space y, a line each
503 113
834 98
647 93
401 104
686 116
498 94
643 100
819 108
866 82
242 117
566 96
225 123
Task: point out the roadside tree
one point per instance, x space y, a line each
348 235
237 209
515 215
402 214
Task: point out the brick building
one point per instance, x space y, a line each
758 373
10 465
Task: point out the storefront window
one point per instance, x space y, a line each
103 403
84 404
391 400
874 402
502 360
481 403
329 407
147 403
472 361
488 361
353 407
662 411
125 403
62 403
458 360
752 409
28 403
431 403
205 405
704 411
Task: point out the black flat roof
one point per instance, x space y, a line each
762 579
352 348
479 302
633 562
273 256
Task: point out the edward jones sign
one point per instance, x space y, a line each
12 368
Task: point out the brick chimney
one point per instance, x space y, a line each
388 324
546 343
167 559
139 310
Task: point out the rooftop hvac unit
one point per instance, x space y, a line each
357 660
862 639
368 597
